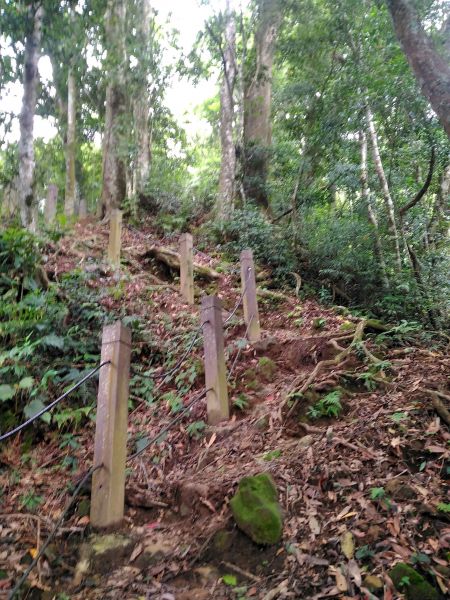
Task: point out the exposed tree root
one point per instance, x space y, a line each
339 359
438 405
171 259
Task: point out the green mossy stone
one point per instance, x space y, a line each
267 368
416 587
256 509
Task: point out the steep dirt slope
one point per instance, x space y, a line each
360 492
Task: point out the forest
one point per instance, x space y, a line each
225 299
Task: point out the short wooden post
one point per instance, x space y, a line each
115 237
248 283
186 268
50 204
108 483
215 371
82 209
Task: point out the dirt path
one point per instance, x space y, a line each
376 475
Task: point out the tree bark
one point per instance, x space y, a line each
70 150
141 103
27 201
228 161
390 210
430 68
113 168
257 105
371 211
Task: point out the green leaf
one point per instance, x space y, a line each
6 392
377 493
33 407
141 443
230 580
54 341
26 383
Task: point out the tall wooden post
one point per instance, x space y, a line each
50 204
186 268
108 483
248 283
215 371
115 237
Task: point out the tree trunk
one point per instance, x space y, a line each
371 213
438 226
141 104
228 160
70 194
384 185
26 151
257 105
430 69
114 172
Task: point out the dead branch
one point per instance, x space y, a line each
171 259
438 405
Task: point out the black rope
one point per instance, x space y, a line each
19 428
240 299
179 416
53 532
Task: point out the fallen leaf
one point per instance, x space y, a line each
136 552
341 582
347 545
314 525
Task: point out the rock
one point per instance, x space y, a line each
399 490
262 346
222 540
266 369
154 551
373 583
189 493
409 582
306 441
207 575
256 509
101 554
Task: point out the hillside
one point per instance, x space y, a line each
356 445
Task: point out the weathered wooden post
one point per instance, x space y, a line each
115 237
186 268
108 483
248 283
215 371
82 209
50 204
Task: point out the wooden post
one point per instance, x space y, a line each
50 204
108 483
115 234
248 283
186 268
215 371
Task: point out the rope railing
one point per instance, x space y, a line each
53 533
49 407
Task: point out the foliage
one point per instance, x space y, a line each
37 364
328 406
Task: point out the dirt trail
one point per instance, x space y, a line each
376 475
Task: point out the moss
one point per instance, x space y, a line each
250 380
266 368
222 540
256 509
409 582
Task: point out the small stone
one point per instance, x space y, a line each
306 441
266 369
189 494
256 509
373 583
399 490
409 582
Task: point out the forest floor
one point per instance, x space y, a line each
359 492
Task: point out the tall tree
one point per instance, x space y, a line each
114 172
228 156
257 104
430 68
141 100
27 201
70 149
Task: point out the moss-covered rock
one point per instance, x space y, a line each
256 509
409 582
266 368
